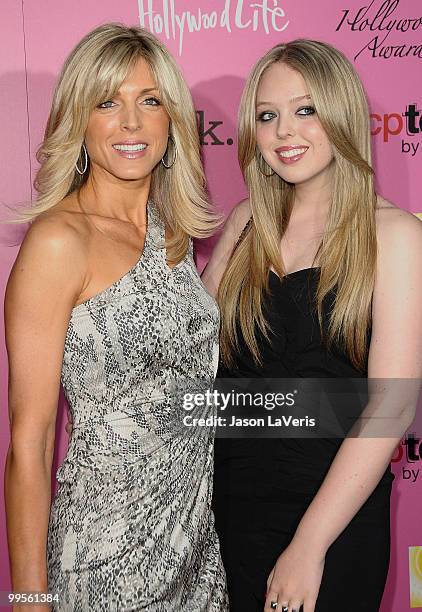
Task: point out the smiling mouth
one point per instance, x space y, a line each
130 148
286 154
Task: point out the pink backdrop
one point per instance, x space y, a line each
216 44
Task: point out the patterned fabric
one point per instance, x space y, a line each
131 526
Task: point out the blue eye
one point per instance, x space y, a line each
106 104
152 102
266 116
305 111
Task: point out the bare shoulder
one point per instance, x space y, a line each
242 210
392 221
60 229
239 217
55 246
399 234
233 227
53 235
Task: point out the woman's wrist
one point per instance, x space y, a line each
309 540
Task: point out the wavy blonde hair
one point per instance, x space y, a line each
92 73
347 253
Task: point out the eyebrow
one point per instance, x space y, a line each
305 97
143 91
297 99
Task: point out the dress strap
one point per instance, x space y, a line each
157 234
244 233
155 229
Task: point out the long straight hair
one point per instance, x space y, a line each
92 73
347 253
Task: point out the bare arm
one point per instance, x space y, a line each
233 227
395 353
44 284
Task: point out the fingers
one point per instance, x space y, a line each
275 602
269 580
309 605
271 601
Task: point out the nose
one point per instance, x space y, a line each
131 118
285 126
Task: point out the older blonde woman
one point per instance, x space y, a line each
317 277
104 297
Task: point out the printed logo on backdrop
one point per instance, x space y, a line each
383 126
210 131
394 124
389 32
409 453
165 17
415 575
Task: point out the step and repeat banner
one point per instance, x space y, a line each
216 42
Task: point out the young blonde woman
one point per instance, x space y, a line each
104 297
316 277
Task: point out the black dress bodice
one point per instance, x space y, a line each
295 349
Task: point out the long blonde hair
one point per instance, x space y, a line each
92 73
347 253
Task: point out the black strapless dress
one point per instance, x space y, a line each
262 487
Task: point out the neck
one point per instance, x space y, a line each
312 198
106 195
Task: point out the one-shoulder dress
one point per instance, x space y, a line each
131 526
262 487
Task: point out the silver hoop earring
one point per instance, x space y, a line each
163 159
82 172
263 164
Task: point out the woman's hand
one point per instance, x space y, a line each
295 579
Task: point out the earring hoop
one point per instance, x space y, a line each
85 166
263 164
163 159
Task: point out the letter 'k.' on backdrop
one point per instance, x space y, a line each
216 42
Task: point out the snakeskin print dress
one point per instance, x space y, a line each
131 526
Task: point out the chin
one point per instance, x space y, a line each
299 175
135 177
294 177
133 174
